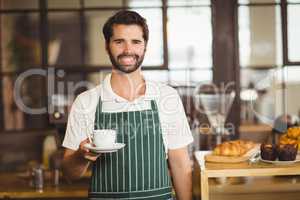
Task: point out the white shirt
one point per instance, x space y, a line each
175 129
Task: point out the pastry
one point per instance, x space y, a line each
286 139
233 148
287 152
268 152
293 132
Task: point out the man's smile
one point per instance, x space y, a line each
127 60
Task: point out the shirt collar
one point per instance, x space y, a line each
107 93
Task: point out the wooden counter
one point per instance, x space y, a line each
210 171
14 187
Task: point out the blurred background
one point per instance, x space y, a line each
253 44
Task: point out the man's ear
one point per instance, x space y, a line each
145 46
107 47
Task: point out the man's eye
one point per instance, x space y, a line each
118 41
136 42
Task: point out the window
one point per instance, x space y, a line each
293 31
62 40
268 39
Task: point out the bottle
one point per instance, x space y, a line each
49 147
38 178
56 177
55 165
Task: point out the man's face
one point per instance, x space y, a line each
126 48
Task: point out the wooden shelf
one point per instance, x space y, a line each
255 128
286 181
256 185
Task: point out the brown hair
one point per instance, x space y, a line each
125 17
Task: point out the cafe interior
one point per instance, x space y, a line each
242 54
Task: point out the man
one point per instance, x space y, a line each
148 117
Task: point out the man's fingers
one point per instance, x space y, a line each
91 156
85 141
87 154
82 147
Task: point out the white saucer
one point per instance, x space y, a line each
115 147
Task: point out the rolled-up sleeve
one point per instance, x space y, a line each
76 126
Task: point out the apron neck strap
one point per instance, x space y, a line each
153 105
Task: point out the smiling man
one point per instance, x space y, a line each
148 117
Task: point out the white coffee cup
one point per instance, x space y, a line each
104 137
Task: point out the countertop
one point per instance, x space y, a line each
13 185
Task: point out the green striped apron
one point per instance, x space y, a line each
139 170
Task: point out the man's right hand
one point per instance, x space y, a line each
76 162
86 153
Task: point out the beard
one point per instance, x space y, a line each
126 68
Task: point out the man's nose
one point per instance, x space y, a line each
127 48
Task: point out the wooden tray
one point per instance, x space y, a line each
232 159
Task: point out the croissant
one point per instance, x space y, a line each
284 139
233 148
246 144
293 132
292 136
